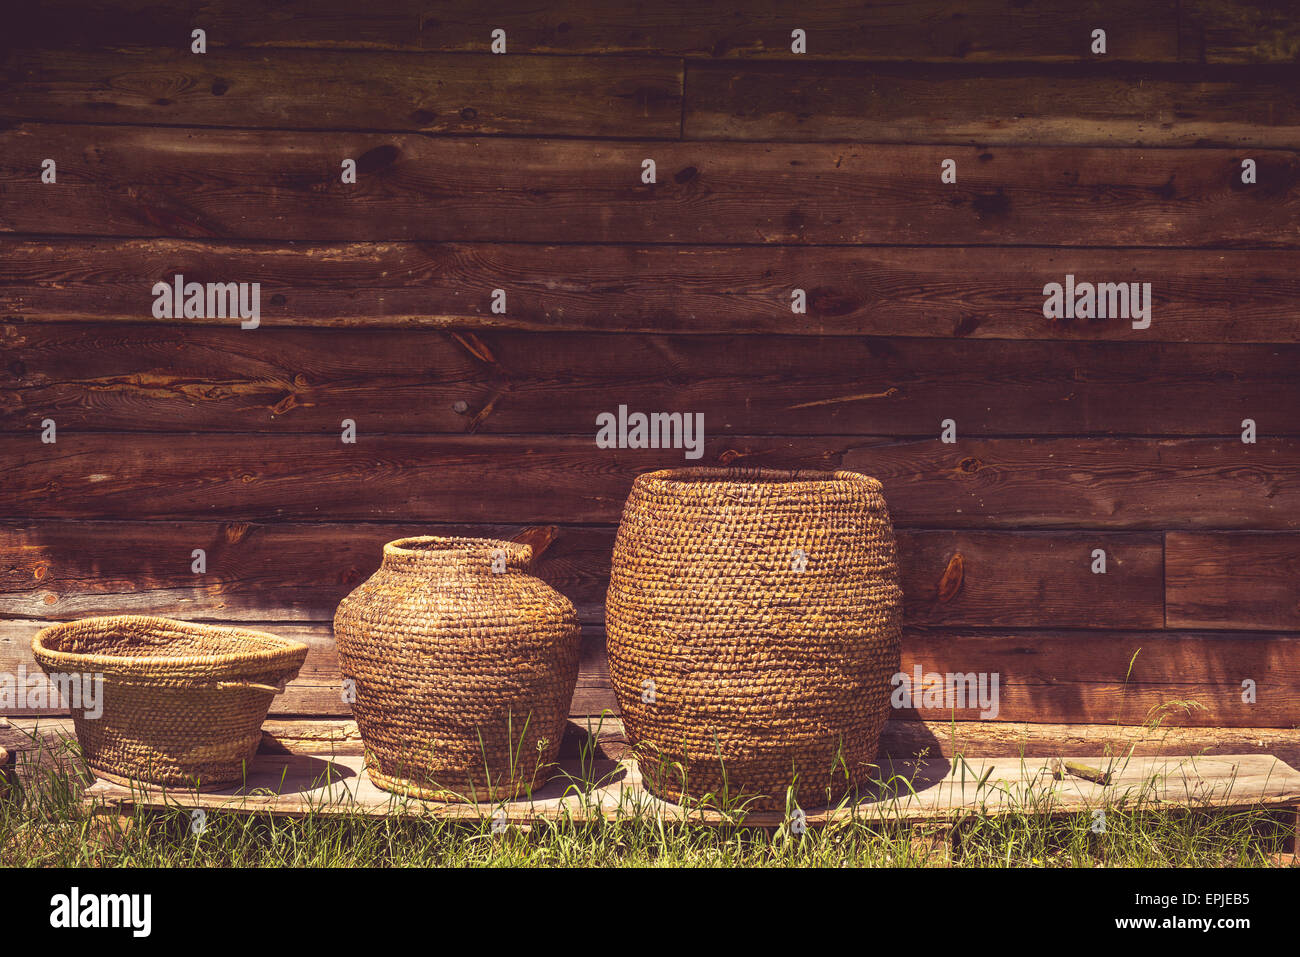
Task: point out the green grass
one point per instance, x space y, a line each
46 826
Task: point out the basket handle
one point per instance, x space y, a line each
251 686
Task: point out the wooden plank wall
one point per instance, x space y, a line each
775 171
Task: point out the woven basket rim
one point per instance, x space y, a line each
456 549
795 480
280 655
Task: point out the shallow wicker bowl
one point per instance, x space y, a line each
182 703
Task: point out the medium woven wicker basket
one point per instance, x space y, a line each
183 703
753 622
463 667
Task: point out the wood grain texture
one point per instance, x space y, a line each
1223 580
1210 296
914 792
1032 579
169 378
984 30
318 688
279 572
1125 678
313 90
1088 105
975 483
1239 31
901 738
133 181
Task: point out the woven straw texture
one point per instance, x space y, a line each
183 703
764 675
463 675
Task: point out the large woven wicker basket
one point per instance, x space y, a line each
463 667
182 703
753 622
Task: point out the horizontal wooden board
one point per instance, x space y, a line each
975 483
1119 677
254 572
314 90
1067 677
155 181
1239 31
107 377
930 791
972 292
901 738
1039 579
300 572
1087 105
1225 580
839 29
318 688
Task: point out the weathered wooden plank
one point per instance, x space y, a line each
1087 105
1098 483
904 739
1127 678
1036 579
151 181
1232 580
1069 677
103 377
971 292
311 90
974 483
1239 31
318 688
901 739
290 572
931 790
982 30
279 572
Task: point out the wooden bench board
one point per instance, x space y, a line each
299 785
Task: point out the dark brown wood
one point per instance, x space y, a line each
1036 579
278 572
1238 31
103 377
1127 678
975 483
1085 105
1110 483
291 572
315 90
1211 296
1226 580
985 30
209 183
